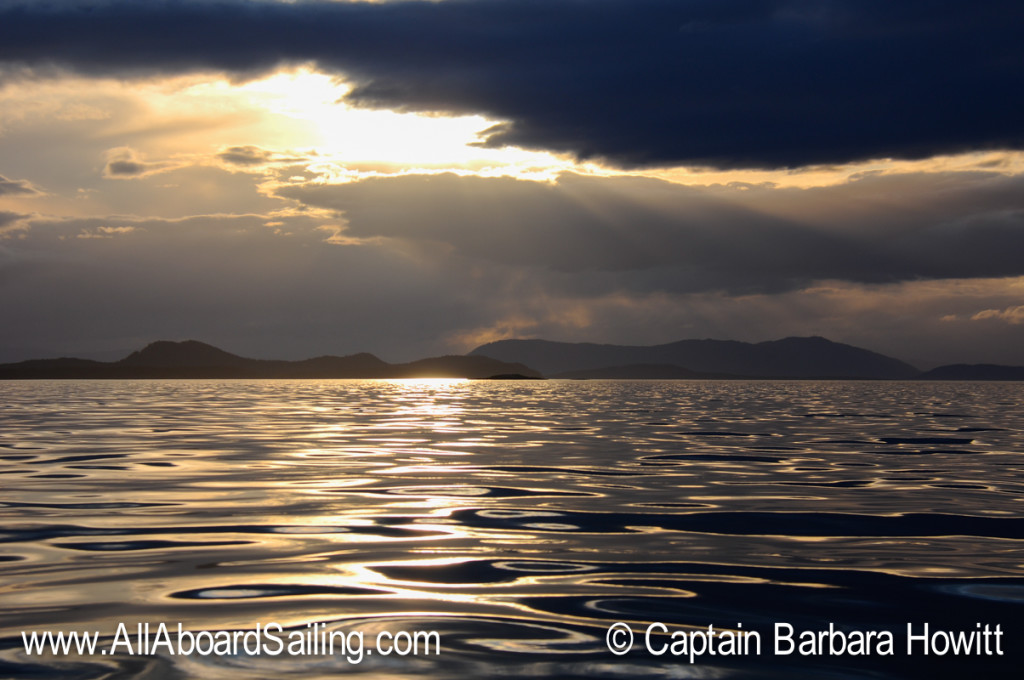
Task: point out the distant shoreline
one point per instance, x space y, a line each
782 360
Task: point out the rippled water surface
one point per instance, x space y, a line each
517 519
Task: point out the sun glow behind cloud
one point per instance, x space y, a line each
189 119
309 112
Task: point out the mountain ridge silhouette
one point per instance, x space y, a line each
792 357
195 359
789 358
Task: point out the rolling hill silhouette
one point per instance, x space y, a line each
789 358
813 357
193 359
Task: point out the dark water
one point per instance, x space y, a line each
517 520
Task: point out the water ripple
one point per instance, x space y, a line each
516 519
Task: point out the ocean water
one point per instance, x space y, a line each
515 521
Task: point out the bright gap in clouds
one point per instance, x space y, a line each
310 112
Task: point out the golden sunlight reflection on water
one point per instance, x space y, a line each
519 518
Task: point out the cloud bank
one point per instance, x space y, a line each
646 234
725 83
924 267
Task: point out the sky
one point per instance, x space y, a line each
414 178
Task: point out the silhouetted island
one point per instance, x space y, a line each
193 359
786 359
813 357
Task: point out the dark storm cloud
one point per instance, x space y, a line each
729 83
10 187
645 234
